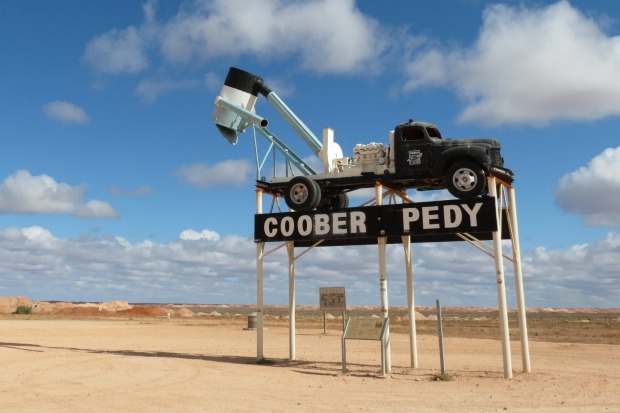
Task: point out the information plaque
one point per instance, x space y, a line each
366 329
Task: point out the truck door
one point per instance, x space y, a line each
414 152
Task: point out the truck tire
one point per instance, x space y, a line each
330 200
302 194
465 179
341 201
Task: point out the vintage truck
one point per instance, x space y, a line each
416 157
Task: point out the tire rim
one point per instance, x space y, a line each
464 179
299 193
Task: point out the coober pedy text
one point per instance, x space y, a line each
371 221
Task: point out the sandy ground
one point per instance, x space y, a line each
182 366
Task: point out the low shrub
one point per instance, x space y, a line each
23 309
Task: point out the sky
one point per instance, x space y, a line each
116 185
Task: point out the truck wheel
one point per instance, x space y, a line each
465 180
339 201
343 200
302 194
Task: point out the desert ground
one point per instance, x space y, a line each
118 357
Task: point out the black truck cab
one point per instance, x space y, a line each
459 165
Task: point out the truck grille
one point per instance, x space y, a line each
496 157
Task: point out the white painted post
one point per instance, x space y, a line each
516 257
413 345
501 285
290 248
260 249
382 244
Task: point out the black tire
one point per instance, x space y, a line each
465 179
339 201
302 194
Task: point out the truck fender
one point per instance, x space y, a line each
476 153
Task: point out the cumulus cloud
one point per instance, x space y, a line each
200 266
65 112
94 209
529 65
192 235
592 191
326 36
228 172
117 52
123 51
23 193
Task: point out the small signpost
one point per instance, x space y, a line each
333 299
442 361
365 329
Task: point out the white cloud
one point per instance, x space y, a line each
38 234
531 65
367 195
229 172
117 51
123 51
202 267
95 209
326 36
23 193
592 191
150 90
191 235
65 112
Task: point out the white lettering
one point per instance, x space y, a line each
450 211
340 223
337 223
473 213
425 217
428 214
287 226
270 227
304 225
321 224
358 222
410 215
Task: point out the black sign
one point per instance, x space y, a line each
423 222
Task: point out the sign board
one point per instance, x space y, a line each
364 328
333 298
422 222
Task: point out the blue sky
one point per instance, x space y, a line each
115 183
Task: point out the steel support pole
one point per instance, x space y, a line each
382 244
413 344
501 284
516 252
290 248
260 250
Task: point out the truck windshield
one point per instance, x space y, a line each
433 133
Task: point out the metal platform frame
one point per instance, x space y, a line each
505 200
